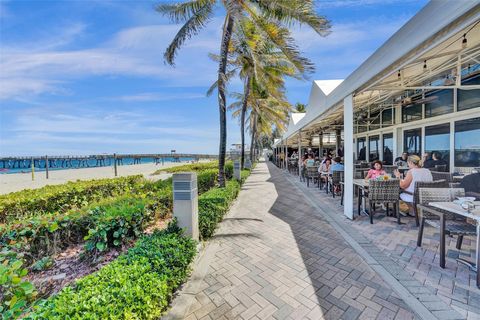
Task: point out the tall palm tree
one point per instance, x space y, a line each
267 15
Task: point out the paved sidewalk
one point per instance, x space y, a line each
275 257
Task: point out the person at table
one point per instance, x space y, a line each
376 171
310 162
402 161
471 184
336 165
324 170
414 174
437 160
427 161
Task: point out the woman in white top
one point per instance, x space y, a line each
414 174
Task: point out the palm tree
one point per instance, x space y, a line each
300 107
267 15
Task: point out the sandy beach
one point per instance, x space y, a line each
19 181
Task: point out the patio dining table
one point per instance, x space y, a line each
361 185
473 214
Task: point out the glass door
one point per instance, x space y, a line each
388 148
412 141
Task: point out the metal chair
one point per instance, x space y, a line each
424 184
386 192
337 179
454 224
447 176
312 173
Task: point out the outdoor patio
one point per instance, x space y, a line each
455 285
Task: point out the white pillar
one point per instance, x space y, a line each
286 155
348 158
236 170
299 153
185 202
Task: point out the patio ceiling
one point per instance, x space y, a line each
433 38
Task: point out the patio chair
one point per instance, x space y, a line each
386 192
337 179
447 176
454 224
441 167
312 173
463 170
424 184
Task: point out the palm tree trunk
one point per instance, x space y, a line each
246 92
227 35
252 143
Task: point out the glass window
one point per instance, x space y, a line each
468 99
388 148
437 138
412 141
374 150
467 143
412 112
361 149
438 102
374 121
388 117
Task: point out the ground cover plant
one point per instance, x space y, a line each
199 167
138 285
99 227
61 198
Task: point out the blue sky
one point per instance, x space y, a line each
85 77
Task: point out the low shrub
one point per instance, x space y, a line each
61 198
190 167
212 206
206 179
138 285
16 294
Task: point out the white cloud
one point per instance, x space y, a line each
154 96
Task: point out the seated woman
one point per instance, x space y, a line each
376 171
414 174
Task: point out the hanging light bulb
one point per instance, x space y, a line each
464 41
424 64
398 74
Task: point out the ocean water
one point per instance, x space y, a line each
91 163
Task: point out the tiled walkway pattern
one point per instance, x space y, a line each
275 257
454 285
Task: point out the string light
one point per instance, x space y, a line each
399 74
424 64
464 41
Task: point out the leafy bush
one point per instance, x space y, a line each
15 293
61 198
138 285
206 179
190 167
115 222
213 205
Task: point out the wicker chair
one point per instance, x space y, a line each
337 178
447 176
386 192
441 167
312 173
454 224
424 184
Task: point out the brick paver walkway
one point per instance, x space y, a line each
276 257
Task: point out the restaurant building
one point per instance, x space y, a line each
419 92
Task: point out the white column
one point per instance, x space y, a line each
286 154
452 147
299 153
348 159
320 145
185 202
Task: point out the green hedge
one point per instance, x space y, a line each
61 198
213 204
138 285
213 165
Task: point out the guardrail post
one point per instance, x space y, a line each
185 202
32 164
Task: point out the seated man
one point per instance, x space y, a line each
336 165
402 161
471 184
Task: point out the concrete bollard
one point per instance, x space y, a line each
185 202
236 170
